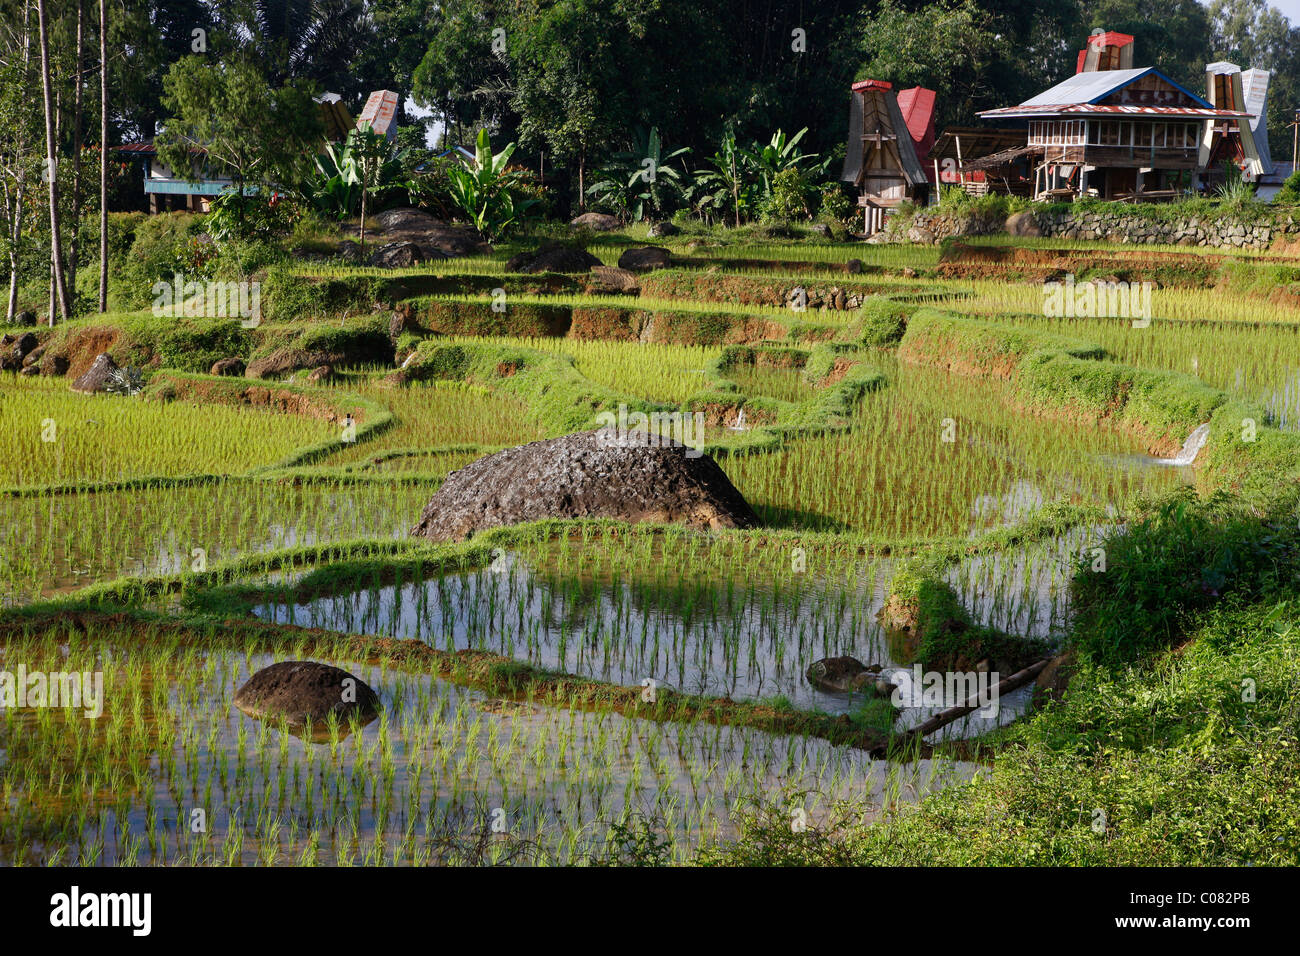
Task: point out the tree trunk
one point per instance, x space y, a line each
20 182
363 205
1006 686
58 289
103 156
78 102
15 237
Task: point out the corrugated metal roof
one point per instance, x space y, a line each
1085 87
975 141
1090 109
917 106
1001 158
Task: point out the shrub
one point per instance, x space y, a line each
1289 194
287 296
883 321
788 199
1180 556
192 345
164 245
832 205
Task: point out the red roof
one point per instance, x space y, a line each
872 85
1110 38
917 106
1101 109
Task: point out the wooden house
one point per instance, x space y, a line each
1115 131
884 146
190 190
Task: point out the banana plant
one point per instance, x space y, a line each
726 184
482 189
641 181
366 162
780 154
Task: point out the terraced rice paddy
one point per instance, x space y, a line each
55 543
419 785
56 436
508 667
960 459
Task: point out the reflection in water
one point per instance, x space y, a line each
743 641
427 779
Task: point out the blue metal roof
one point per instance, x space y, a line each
1096 85
178 187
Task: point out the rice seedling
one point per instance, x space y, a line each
432 415
58 436
55 543
653 371
961 457
437 780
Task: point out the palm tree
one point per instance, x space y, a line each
308 39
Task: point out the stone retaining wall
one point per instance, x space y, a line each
1112 226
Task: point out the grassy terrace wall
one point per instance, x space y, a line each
1061 377
555 393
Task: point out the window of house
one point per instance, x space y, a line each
1143 131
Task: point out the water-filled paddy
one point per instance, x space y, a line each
691 630
442 775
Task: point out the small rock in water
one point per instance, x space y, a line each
841 675
304 692
884 688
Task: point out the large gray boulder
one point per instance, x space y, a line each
612 281
644 258
595 221
553 257
585 475
1023 224
14 349
302 692
431 234
841 675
